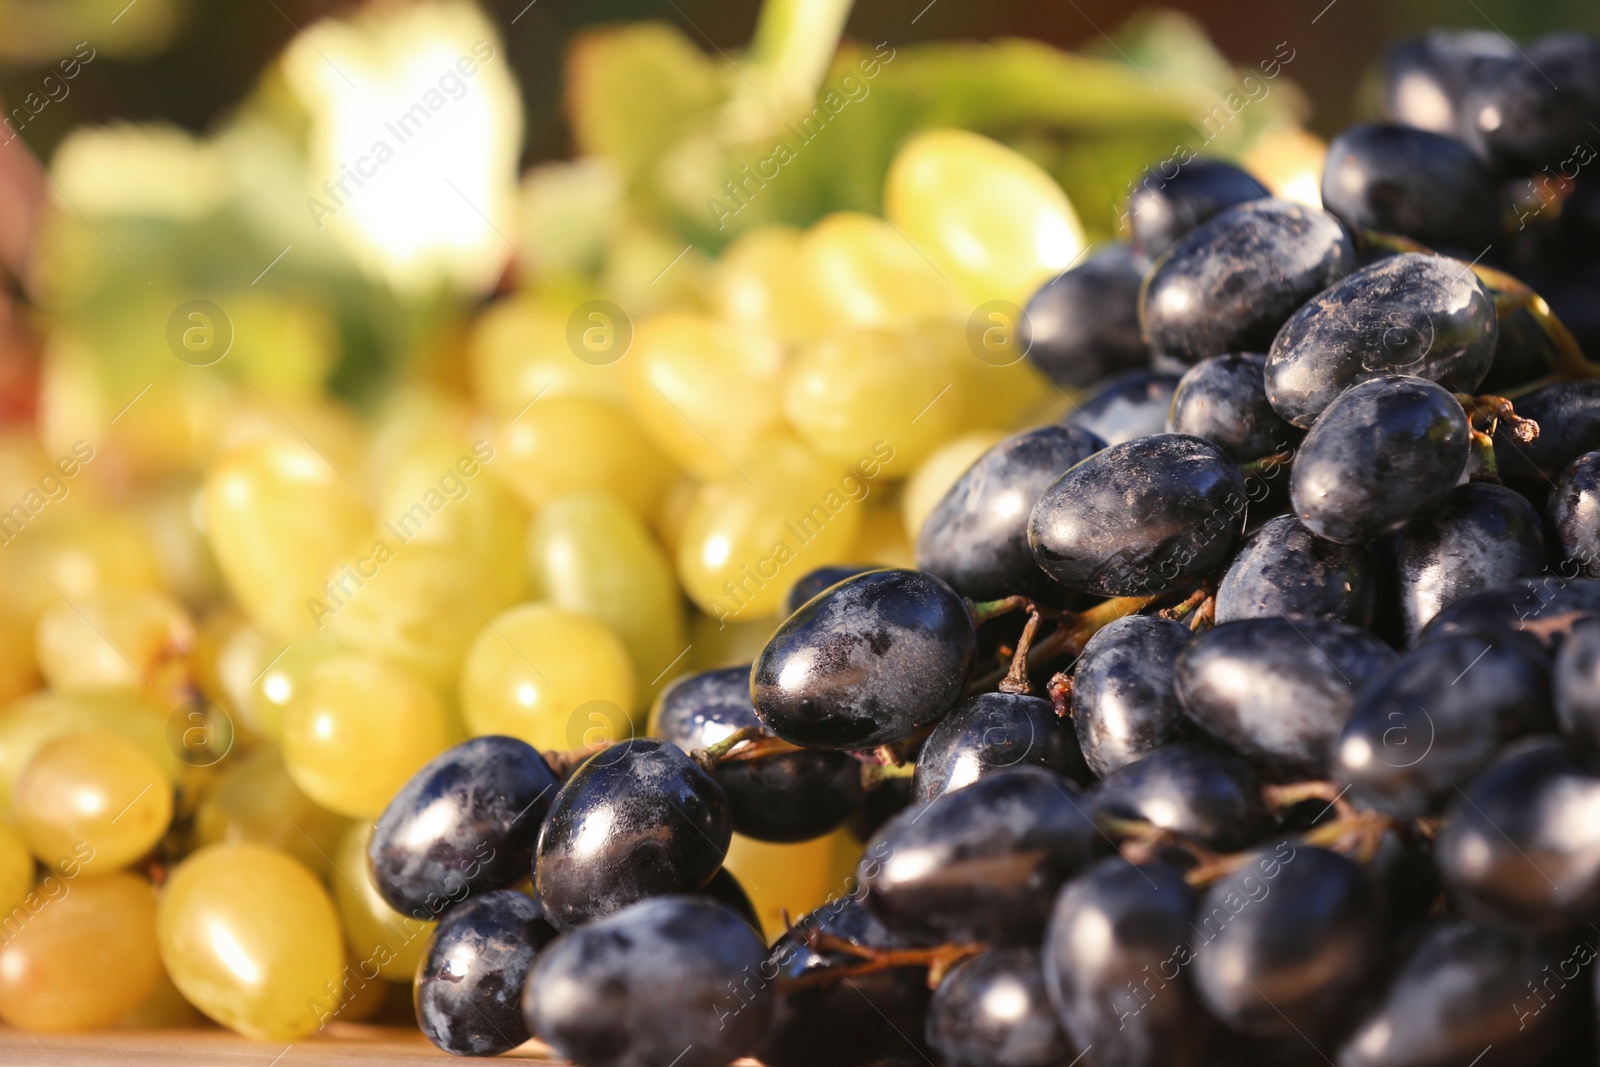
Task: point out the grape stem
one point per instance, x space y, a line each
1494 410
1288 795
1266 464
1069 639
1141 839
938 959
562 764
876 775
1488 465
1060 690
742 746
1016 678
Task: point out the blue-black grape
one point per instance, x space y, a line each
1083 325
1524 116
813 582
1205 795
1482 536
1123 701
1419 315
793 796
636 820
992 1011
1164 210
1437 716
468 992
1224 400
1574 512
1384 452
465 823
671 981
1284 569
979 864
976 537
1568 414
1422 185
1545 607
989 733
1140 518
1575 688
1278 690
1126 407
1233 282
869 662
1116 963
1424 78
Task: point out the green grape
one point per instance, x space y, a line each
796 878
936 474
549 677
669 517
268 673
16 868
989 217
728 642
74 555
244 418
26 724
882 541
250 937
280 517
589 554
171 514
566 445
758 282
379 938
19 668
866 390
115 639
865 274
358 729
163 1009
254 800
91 798
519 350
85 958
747 539
705 391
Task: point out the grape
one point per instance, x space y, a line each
639 819
379 938
1083 325
569 444
1425 77
1131 405
1384 452
27 724
1286 941
864 273
934 477
1522 353
113 640
1574 512
870 662
1448 1003
704 390
990 733
1206 795
86 551
1284 569
91 798
1575 688
788 878
533 668
467 822
19 668
1224 400
759 283
255 800
981 863
1410 314
589 554
1437 715
994 222
1544 607
1162 210
1521 116
992 1011
359 728
1115 964
85 959
1518 845
1123 702
468 991
1568 414
1229 285
16 869
882 541
795 796
1481 537
1140 518
675 980
812 583
519 351
1416 183
250 937
976 537
725 889
1278 690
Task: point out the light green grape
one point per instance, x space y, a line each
378 936
27 724
253 799
114 639
938 472
562 445
865 274
93 799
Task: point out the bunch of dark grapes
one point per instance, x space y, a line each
1250 715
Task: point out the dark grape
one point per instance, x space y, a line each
1164 210
636 820
1524 116
1126 407
976 537
992 1011
671 981
794 796
468 992
466 822
1399 179
1424 78
989 733
1544 607
1205 795
1083 325
1424 316
1284 569
1575 685
1278 690
871 661
1437 716
1384 452
1568 414
1123 702
1140 518
1482 536
1522 353
1233 282
1574 511
1224 400
981 863
813 582
1116 964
